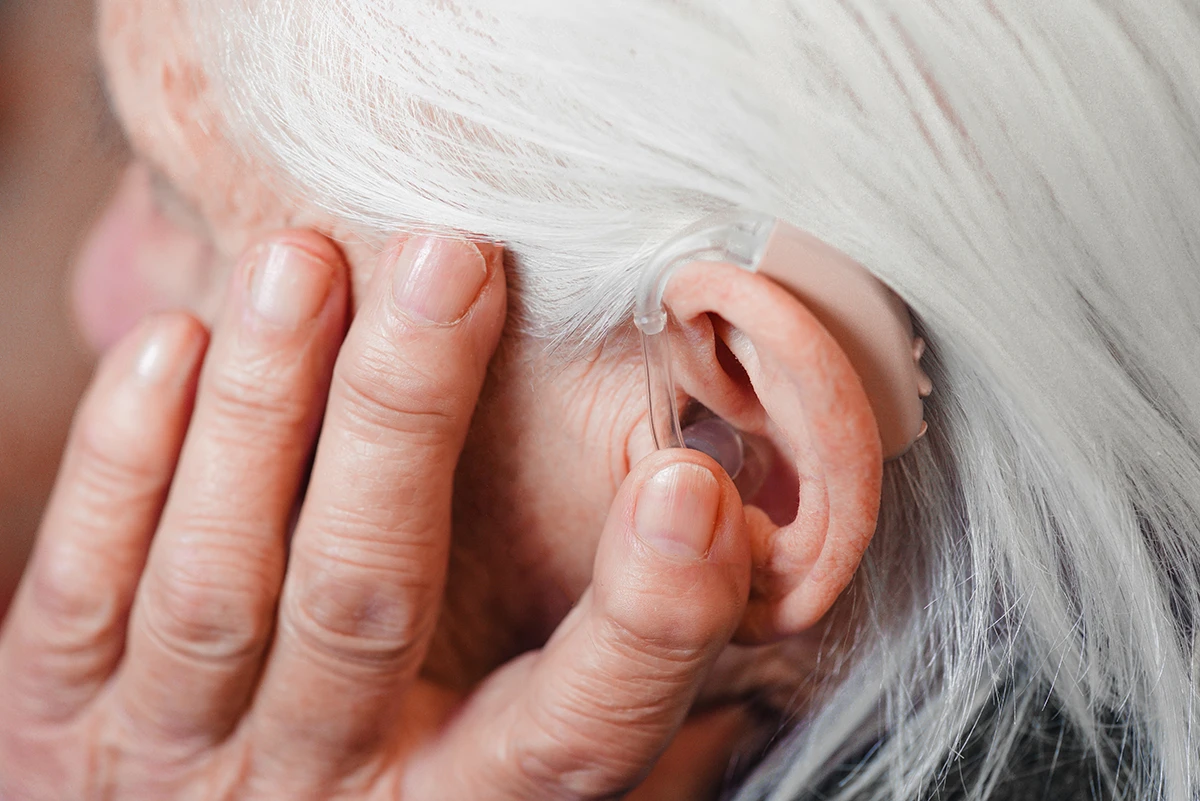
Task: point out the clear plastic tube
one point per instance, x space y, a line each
733 237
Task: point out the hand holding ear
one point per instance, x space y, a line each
179 635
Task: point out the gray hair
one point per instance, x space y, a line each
1025 173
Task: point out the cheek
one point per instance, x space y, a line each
545 459
134 262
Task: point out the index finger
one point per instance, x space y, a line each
367 567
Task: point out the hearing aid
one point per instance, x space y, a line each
870 322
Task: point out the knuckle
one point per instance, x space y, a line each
255 397
609 696
79 602
354 608
116 462
556 755
385 390
670 643
668 615
209 611
124 736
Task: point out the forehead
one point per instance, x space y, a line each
151 65
171 115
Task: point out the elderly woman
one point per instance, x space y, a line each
1022 174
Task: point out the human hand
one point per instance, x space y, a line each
179 634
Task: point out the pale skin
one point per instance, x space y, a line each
470 500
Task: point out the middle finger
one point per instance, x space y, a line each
364 582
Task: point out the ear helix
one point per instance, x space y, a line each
738 237
924 383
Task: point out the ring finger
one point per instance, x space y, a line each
205 606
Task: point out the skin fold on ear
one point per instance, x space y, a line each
753 353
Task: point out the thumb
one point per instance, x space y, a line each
589 716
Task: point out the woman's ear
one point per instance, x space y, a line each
755 355
119 276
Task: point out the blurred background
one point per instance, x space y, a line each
60 154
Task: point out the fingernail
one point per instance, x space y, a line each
437 280
676 511
288 285
164 352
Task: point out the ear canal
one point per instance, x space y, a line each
739 454
720 440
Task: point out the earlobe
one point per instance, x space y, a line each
801 391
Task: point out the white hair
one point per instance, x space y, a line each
1025 173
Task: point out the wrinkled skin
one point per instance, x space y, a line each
549 448
183 631
551 442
